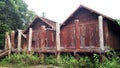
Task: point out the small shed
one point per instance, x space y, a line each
86 30
43 35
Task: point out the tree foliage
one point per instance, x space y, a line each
118 21
13 15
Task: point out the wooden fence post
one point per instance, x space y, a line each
19 40
13 39
30 39
101 36
58 40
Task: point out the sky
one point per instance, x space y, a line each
60 10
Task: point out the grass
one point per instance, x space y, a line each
111 60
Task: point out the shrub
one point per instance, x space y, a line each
50 59
21 60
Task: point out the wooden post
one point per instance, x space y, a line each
77 33
6 41
42 42
13 39
58 39
30 39
9 44
43 37
101 36
19 40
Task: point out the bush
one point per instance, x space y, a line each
50 59
111 60
21 60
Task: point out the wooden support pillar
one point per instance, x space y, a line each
43 37
58 40
101 36
9 44
13 39
30 39
77 34
6 40
19 41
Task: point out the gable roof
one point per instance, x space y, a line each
81 6
50 23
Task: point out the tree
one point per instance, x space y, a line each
118 21
13 15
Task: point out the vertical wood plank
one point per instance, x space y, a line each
19 40
106 35
77 33
101 36
30 39
13 39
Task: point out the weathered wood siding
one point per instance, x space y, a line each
86 30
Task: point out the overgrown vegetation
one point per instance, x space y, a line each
18 60
111 60
14 15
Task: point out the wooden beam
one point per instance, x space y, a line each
43 36
58 40
58 36
30 39
9 43
24 35
101 36
13 39
77 34
6 41
19 40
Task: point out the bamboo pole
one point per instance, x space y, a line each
30 39
101 36
19 40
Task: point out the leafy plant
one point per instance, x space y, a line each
21 60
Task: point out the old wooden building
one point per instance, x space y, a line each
86 30
43 35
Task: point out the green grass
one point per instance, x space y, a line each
111 60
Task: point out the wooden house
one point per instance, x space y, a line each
43 34
86 30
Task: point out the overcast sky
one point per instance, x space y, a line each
60 10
